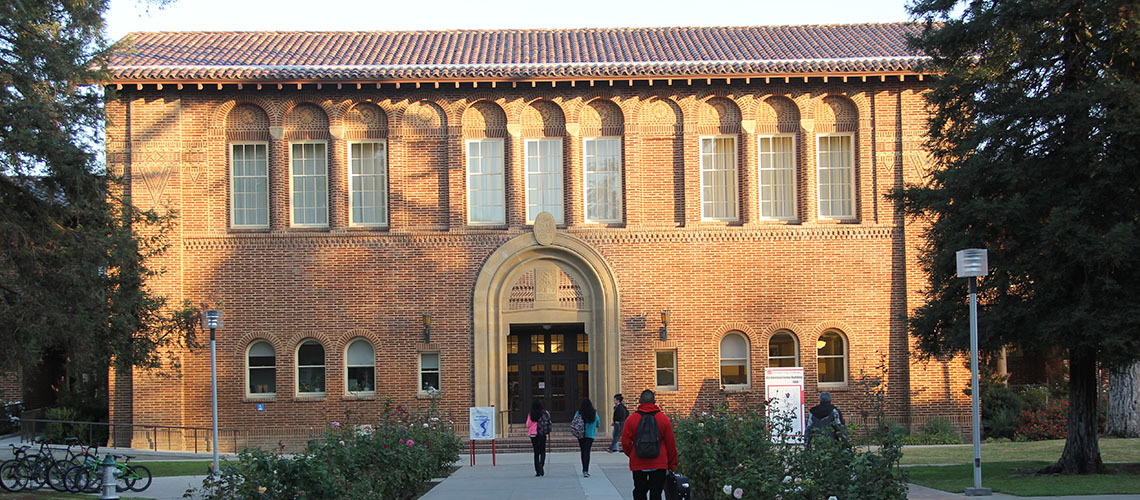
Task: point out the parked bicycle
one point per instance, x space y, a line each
88 477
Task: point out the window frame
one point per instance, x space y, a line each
657 368
620 181
852 189
383 191
560 218
297 369
502 174
747 361
347 366
420 371
795 348
844 356
735 188
794 196
292 214
233 196
248 375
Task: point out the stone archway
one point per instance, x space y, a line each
545 252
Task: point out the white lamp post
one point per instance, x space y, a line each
974 262
212 319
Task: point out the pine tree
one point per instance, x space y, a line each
1036 128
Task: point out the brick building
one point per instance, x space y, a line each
543 195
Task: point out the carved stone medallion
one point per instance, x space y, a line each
544 229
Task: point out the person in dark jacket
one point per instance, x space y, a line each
649 473
537 439
620 414
824 419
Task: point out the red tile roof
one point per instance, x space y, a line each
517 54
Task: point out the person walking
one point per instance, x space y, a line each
620 414
824 419
538 426
589 431
650 448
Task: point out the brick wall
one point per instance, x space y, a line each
285 285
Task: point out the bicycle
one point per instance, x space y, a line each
13 473
57 472
88 477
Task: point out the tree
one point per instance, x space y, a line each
1124 402
1036 129
73 260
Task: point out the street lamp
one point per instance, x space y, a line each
212 319
974 262
427 328
664 325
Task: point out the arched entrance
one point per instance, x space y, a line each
545 326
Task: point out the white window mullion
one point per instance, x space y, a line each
836 166
368 183
544 178
602 179
486 196
249 185
309 184
718 178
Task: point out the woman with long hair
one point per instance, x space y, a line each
537 436
590 418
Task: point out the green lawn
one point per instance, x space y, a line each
1017 478
167 469
1111 450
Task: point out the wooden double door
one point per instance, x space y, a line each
548 363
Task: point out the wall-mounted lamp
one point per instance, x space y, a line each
427 328
664 325
820 344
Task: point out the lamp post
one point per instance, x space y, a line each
664 325
212 319
974 262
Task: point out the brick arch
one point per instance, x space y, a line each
220 112
836 113
602 117
365 120
247 122
357 333
778 326
422 118
718 115
777 114
484 118
822 327
543 118
306 120
659 115
248 339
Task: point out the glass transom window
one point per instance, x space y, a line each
602 156
836 177
486 201
360 368
777 177
309 184
544 178
368 183
718 178
249 199
262 369
734 361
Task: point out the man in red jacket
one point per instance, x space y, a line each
649 473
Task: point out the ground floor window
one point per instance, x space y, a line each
667 370
429 372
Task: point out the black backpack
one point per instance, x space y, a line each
830 426
647 441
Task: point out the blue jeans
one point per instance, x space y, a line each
616 441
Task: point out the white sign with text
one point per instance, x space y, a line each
785 390
482 423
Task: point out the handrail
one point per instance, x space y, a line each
150 432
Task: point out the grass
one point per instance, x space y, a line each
1111 450
167 469
1017 478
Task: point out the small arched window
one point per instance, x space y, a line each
261 369
311 368
832 358
360 368
734 361
783 351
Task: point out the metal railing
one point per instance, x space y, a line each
155 437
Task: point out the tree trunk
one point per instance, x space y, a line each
1082 450
1124 402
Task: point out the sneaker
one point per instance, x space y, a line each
585 474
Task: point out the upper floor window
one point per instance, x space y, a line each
249 185
311 368
544 178
718 178
486 200
602 156
777 177
734 361
368 183
261 369
309 184
836 176
832 358
360 368
783 351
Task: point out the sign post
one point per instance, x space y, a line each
482 427
785 392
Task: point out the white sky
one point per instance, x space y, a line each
126 16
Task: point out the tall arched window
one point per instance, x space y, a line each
783 351
311 368
734 361
360 368
261 369
832 358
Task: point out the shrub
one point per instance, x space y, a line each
392 458
58 432
935 431
1000 409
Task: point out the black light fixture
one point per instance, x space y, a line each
664 325
427 328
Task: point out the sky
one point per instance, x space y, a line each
126 16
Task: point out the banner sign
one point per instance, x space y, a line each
482 423
785 390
